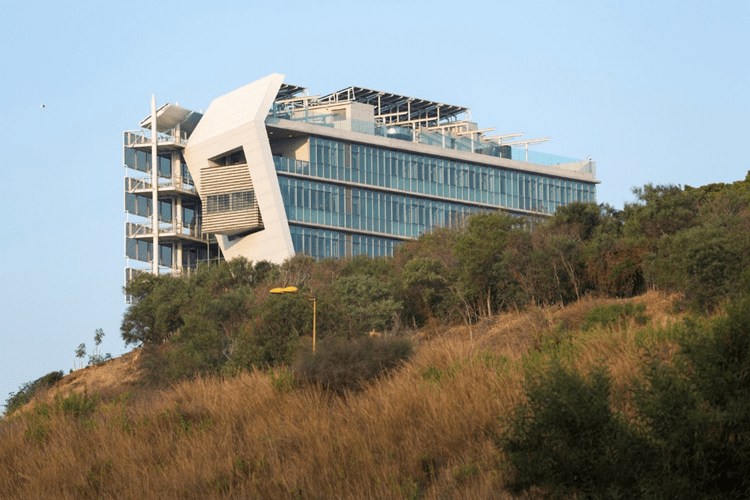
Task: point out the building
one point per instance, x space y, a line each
269 171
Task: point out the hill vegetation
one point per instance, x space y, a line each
600 354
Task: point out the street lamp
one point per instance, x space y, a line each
292 290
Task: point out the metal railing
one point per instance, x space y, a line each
177 184
430 138
144 183
140 138
177 228
284 164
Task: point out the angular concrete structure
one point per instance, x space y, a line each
236 122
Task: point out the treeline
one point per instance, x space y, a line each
222 319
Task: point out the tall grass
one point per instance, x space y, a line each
426 430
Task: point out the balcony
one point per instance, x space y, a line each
141 139
169 187
167 231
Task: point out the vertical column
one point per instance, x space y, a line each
178 224
176 162
154 188
178 258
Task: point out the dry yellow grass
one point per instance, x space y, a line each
425 431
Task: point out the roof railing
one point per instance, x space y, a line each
142 138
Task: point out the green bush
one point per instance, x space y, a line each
24 394
78 405
355 304
341 364
566 439
697 409
282 380
37 423
604 316
689 439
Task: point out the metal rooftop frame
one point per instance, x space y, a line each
288 91
395 108
404 111
168 116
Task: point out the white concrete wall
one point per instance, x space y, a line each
237 119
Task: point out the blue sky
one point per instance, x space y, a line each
653 91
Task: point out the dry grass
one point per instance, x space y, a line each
425 431
107 379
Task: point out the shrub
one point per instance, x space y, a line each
341 364
612 315
78 405
359 303
24 394
566 439
690 437
37 423
707 264
697 410
282 380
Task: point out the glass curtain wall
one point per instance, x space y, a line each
366 210
323 243
439 177
361 209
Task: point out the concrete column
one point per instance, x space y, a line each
178 257
176 169
178 210
154 188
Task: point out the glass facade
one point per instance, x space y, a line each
143 250
185 237
366 210
438 177
141 205
141 161
459 190
324 243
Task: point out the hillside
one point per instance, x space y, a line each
427 430
501 356
511 333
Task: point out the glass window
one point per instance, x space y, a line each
165 255
165 211
243 200
165 167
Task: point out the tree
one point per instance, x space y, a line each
578 219
480 253
706 263
425 291
98 336
660 211
96 357
613 265
157 312
80 353
359 303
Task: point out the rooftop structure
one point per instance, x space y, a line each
269 171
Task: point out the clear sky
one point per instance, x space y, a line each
655 91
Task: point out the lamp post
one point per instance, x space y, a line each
292 290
